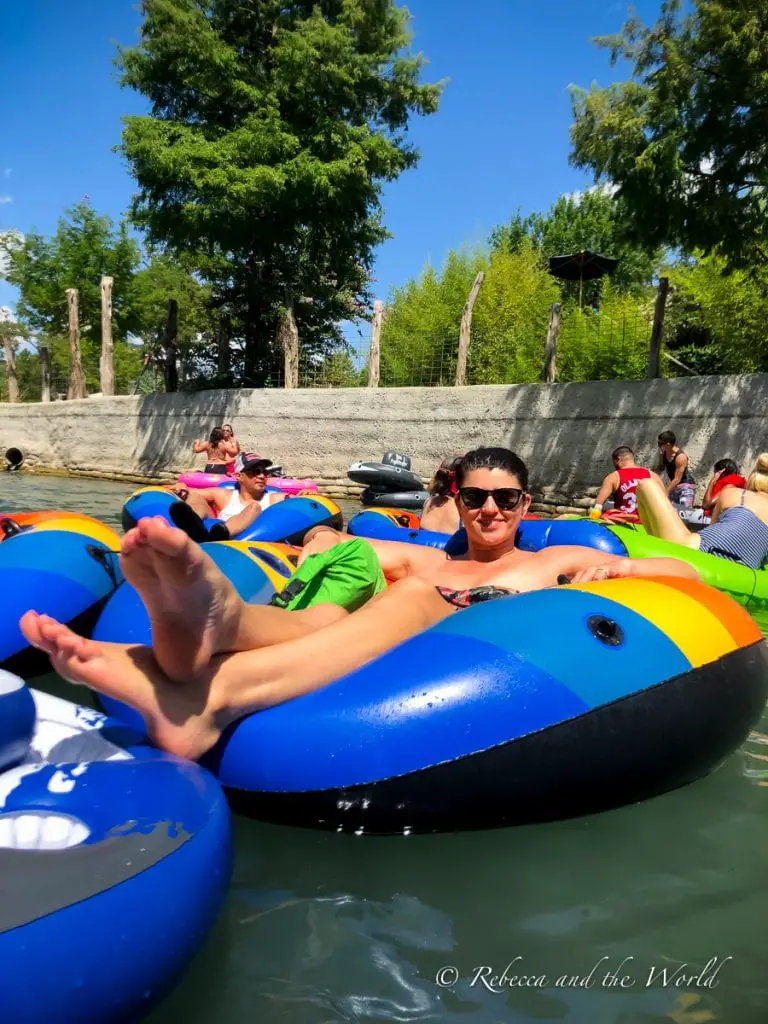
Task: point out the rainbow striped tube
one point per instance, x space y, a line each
532 707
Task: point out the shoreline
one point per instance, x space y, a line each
543 502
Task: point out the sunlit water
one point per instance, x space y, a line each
320 928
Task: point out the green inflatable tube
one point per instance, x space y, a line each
747 586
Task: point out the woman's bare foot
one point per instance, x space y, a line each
193 608
180 719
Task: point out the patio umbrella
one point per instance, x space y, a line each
581 266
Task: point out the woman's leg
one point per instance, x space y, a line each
659 517
194 610
188 718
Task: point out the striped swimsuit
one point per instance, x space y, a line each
738 536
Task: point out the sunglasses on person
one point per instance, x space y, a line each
506 499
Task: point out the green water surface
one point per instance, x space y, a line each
320 928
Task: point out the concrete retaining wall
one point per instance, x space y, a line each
565 432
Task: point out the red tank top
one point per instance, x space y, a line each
626 494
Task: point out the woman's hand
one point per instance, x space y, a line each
620 569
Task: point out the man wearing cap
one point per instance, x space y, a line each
239 508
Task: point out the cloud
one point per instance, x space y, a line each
5 199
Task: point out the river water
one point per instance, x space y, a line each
597 913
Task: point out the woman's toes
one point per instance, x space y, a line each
30 627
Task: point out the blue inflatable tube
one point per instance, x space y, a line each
525 708
532 534
114 864
374 526
286 522
66 575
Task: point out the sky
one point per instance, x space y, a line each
498 143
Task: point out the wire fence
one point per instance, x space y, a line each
590 346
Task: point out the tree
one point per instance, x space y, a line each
420 333
716 320
273 126
509 326
162 279
588 220
684 140
84 248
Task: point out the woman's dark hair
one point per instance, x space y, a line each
728 465
217 434
493 458
441 484
667 437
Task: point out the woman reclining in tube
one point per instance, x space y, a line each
739 530
215 659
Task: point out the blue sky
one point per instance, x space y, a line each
498 143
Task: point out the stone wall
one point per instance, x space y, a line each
565 432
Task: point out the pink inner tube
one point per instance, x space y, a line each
286 484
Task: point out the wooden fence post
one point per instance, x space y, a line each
657 331
465 332
550 352
288 334
106 365
45 374
76 387
374 356
170 344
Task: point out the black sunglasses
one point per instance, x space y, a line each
506 498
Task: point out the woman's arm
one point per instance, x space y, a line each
200 446
615 567
231 447
582 565
708 498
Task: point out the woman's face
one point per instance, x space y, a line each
227 432
491 520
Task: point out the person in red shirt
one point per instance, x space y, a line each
622 484
726 473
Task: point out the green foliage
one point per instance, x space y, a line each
335 371
590 220
509 325
716 320
84 248
419 336
273 126
684 140
606 344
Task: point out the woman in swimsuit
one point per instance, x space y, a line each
229 437
725 473
739 530
215 658
440 512
219 449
